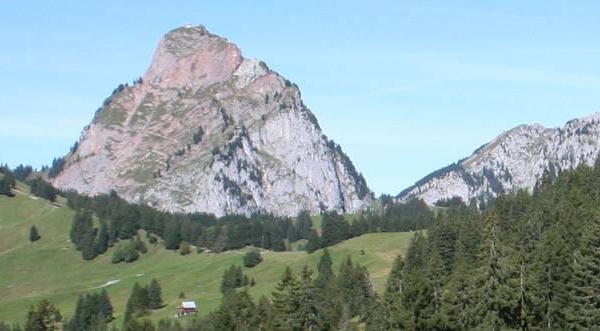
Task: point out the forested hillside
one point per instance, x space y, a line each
527 262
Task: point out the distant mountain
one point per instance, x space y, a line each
206 130
514 160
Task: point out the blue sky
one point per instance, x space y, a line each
406 87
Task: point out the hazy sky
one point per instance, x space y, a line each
406 87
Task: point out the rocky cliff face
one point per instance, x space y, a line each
514 160
206 130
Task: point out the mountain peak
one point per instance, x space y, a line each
206 130
192 57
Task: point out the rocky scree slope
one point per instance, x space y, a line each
206 130
516 159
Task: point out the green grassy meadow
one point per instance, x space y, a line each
51 268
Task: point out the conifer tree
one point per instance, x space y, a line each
236 312
102 240
286 302
172 236
88 245
458 298
233 278
105 306
304 225
553 272
33 234
327 296
42 317
7 182
262 317
314 242
417 292
75 323
325 276
388 311
82 224
98 323
112 233
308 309
584 286
354 288
154 295
435 273
494 310
394 283
137 304
333 229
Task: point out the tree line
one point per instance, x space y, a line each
120 220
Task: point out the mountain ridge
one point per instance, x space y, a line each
515 159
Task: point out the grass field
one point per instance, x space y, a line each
51 268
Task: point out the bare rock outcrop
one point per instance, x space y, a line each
516 159
206 130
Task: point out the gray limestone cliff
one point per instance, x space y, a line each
516 159
206 130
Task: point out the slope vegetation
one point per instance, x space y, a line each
51 267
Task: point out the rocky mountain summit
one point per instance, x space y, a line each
514 160
206 130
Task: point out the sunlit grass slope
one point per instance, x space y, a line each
51 268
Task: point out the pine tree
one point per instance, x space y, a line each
98 323
553 272
325 276
82 224
154 295
394 283
286 303
105 306
262 317
277 239
102 240
354 288
417 293
233 278
33 234
495 308
584 286
172 236
435 273
6 184
112 233
304 225
333 229
458 298
236 312
42 317
314 242
389 310
88 245
75 323
137 304
308 310
326 293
